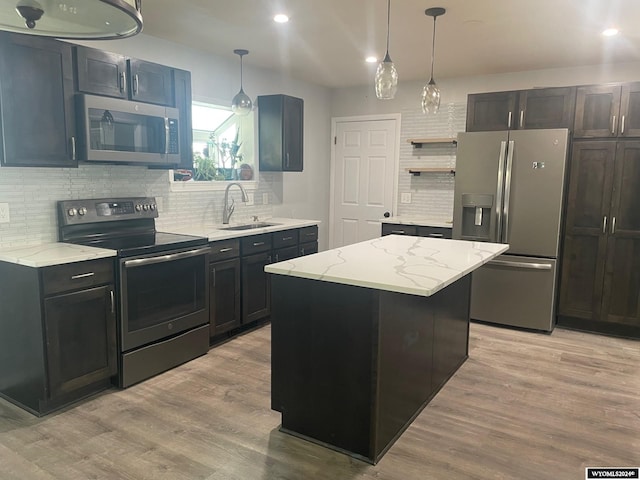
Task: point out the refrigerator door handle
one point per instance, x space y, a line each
507 192
531 266
500 190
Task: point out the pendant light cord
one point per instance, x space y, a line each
388 23
433 45
241 89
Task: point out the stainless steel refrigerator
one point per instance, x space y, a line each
509 188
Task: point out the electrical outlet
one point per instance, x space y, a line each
249 199
4 213
405 197
265 199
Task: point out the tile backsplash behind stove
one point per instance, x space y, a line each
431 193
32 194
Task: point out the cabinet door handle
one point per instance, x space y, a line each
509 120
436 235
622 125
521 118
613 225
302 251
113 303
277 258
123 81
269 259
222 250
284 239
604 224
257 244
82 275
310 234
613 125
398 232
73 148
287 159
135 84
213 276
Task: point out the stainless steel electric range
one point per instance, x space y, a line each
161 282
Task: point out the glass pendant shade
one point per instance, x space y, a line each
76 19
386 79
241 103
430 97
431 93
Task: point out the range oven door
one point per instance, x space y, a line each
162 295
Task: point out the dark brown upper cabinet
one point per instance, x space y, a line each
38 116
182 96
605 111
115 75
280 133
525 109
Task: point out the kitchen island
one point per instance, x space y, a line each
364 336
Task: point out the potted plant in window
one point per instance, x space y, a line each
228 154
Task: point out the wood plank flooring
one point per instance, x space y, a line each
524 406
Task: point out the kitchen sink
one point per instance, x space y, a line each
250 226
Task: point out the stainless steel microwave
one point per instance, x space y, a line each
124 131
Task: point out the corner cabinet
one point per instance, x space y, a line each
36 88
600 279
524 109
58 333
608 111
280 133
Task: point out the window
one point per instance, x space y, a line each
223 146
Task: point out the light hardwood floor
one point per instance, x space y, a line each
524 406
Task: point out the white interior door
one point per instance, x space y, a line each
364 178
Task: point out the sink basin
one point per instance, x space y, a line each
250 226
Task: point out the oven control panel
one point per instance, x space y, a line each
73 212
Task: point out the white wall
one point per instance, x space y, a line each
32 192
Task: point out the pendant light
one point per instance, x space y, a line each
241 103
431 92
77 19
386 81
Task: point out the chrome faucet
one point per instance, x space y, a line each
228 209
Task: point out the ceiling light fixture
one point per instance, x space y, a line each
77 19
281 18
431 92
386 80
610 32
241 103
371 59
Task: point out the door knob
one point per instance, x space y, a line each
387 214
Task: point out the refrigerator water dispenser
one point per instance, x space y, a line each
476 216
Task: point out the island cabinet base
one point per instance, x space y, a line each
352 367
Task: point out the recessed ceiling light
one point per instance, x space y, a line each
281 18
371 60
610 32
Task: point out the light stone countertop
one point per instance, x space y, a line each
397 263
58 253
421 222
217 232
48 254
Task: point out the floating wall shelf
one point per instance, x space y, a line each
420 142
419 170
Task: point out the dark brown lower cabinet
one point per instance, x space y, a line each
418 231
600 280
256 287
57 346
224 296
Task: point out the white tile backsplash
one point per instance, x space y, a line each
32 194
431 193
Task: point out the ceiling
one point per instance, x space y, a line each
326 41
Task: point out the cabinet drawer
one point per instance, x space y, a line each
256 244
434 232
74 276
308 248
224 249
286 253
309 234
397 229
286 238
